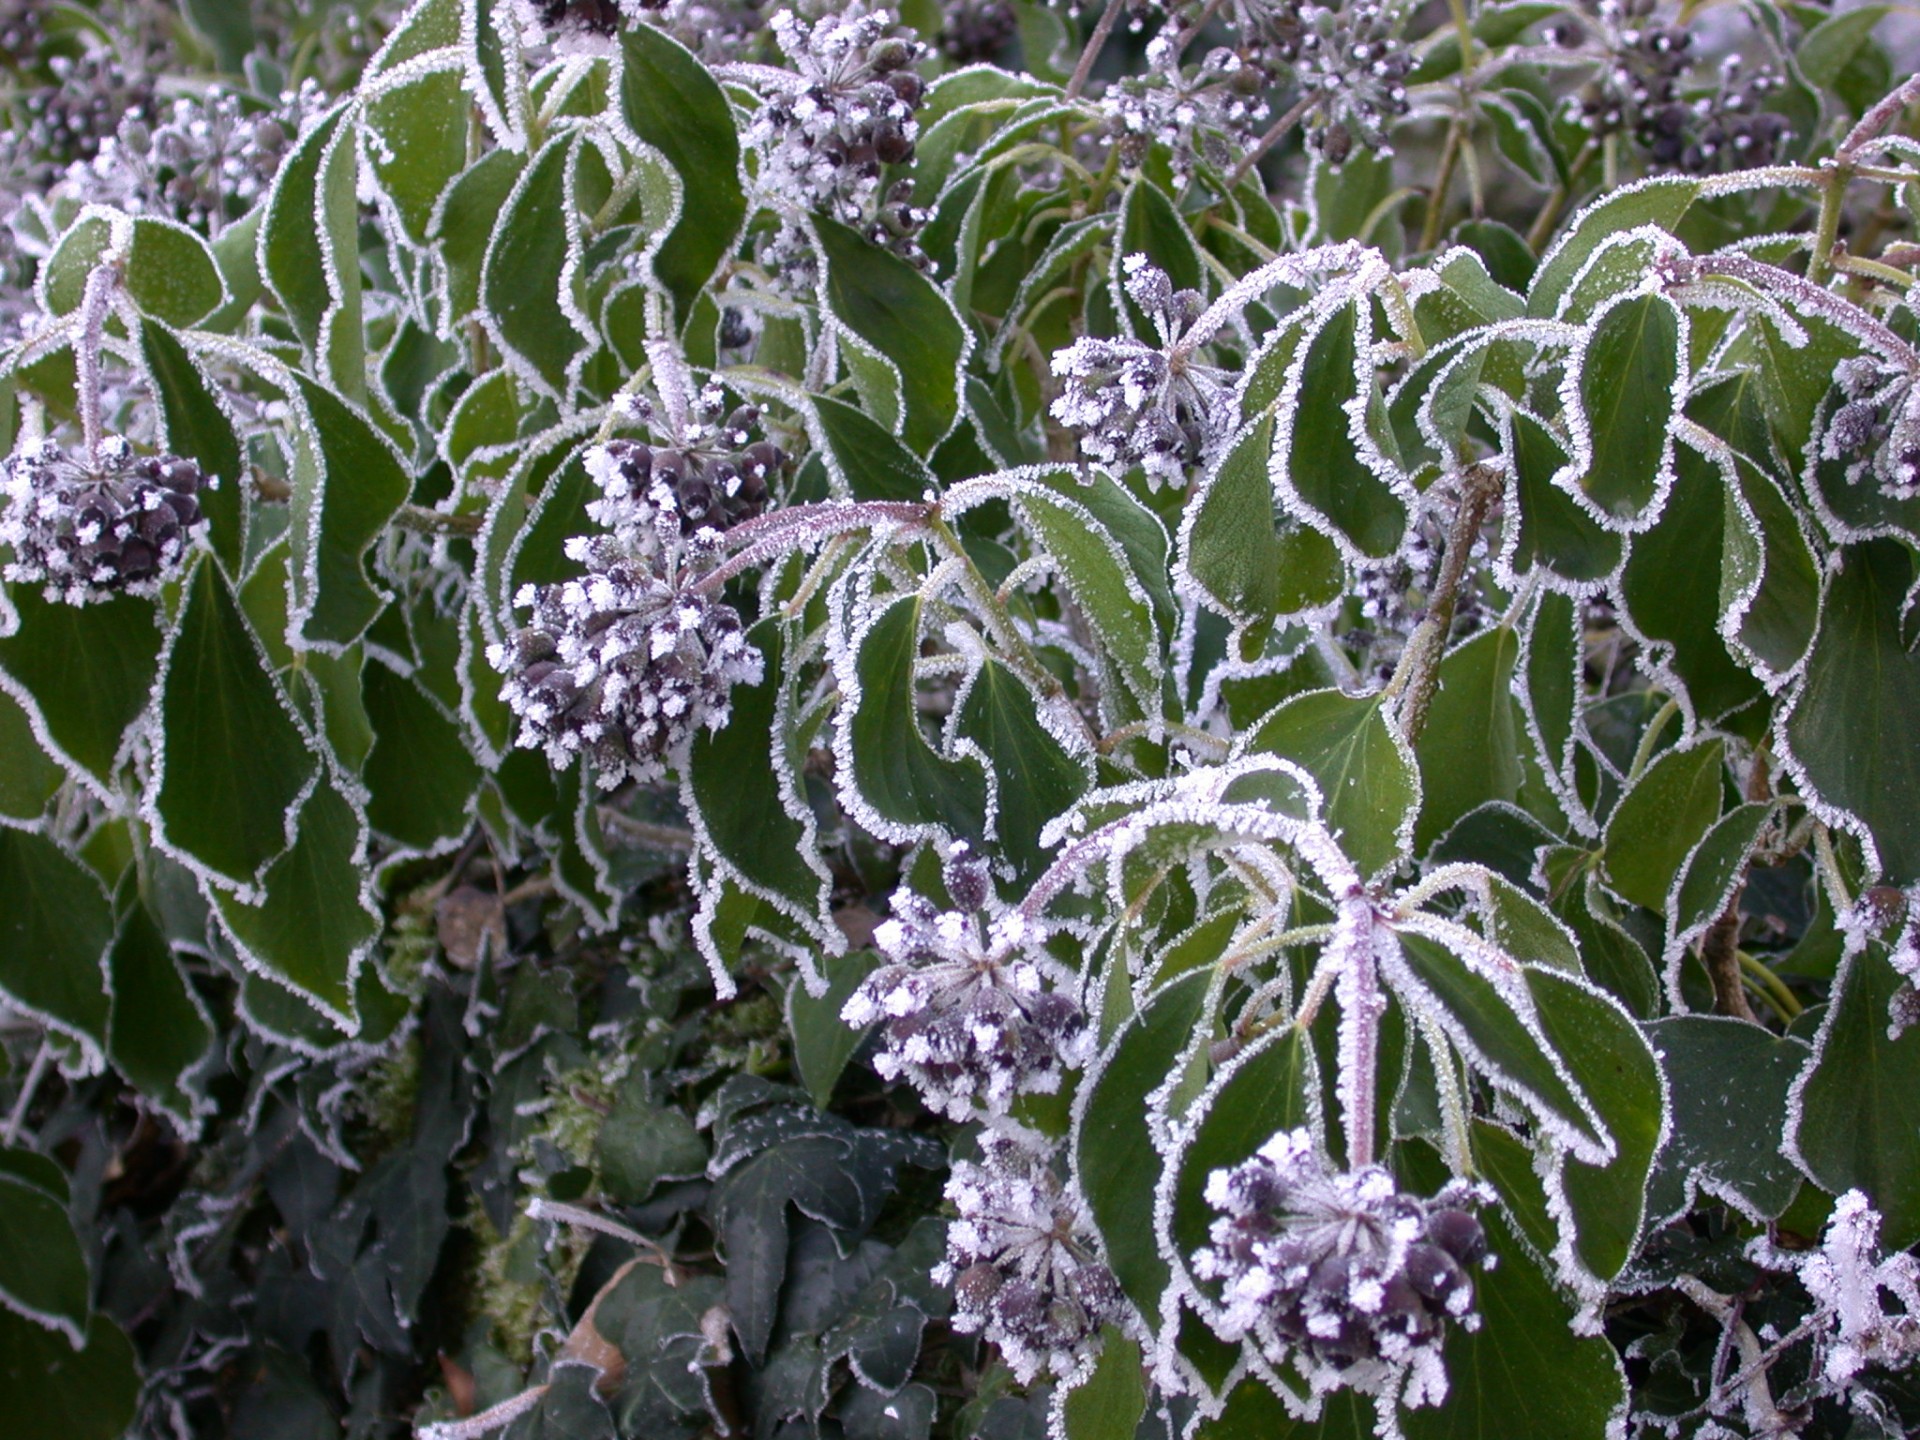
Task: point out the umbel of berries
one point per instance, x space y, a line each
89 530
625 663
970 1012
1021 1262
1340 1270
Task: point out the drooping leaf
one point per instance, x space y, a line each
1469 752
55 1392
1363 768
157 1032
198 427
218 699
1853 1114
671 101
43 1272
82 673
1658 822
823 1043
55 929
1631 367
1324 456
1851 724
902 315
309 250
1729 1080
420 777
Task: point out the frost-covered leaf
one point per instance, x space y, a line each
158 1032
1654 202
1115 1150
419 775
83 675
1469 752
416 141
1523 1360
1327 464
55 930
198 427
1658 822
823 1043
29 778
43 1273
644 1142
314 922
167 269
669 100
900 313
1850 725
1111 1400
216 699
1729 1081
908 784
1546 525
1853 1115
1361 764
310 250
57 1393
531 265
1631 372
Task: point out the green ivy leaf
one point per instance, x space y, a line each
526 269
474 202
643 1143
314 923
195 424
157 1031
28 778
1363 767
417 143
83 674
1729 1081
909 785
1849 728
1323 456
1523 1360
671 101
43 1273
420 777
167 269
1469 752
347 484
1658 202
1110 1401
1114 1152
902 314
310 250
1554 531
217 699
55 1392
1657 823
55 930
823 1043
1630 396
1854 1111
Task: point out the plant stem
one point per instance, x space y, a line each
425 521
1275 134
1720 952
95 301
1096 42
29 1084
1771 985
1437 196
1419 672
1357 991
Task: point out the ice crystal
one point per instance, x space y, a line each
1157 407
971 1011
1341 1270
1021 1261
1850 1283
89 531
624 664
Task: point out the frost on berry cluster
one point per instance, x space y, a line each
1639 89
1873 428
203 161
1349 62
624 664
972 1012
88 532
832 122
1202 113
1137 404
1341 1270
1022 1264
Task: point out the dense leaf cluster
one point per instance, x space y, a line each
853 724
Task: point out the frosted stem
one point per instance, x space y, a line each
1357 990
1096 42
1419 673
95 301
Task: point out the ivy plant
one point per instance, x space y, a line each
1190 721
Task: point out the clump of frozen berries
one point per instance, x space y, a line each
87 531
1342 1270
